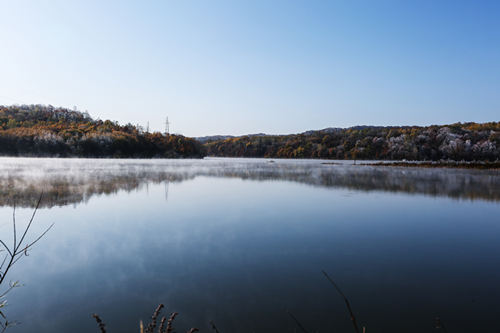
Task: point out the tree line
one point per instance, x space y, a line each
39 130
460 141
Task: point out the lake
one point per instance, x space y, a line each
243 241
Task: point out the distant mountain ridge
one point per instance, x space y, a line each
211 138
467 141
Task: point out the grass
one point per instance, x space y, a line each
151 327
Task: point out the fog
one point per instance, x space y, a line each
73 181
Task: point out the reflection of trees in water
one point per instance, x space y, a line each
76 181
62 191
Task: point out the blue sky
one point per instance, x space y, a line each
238 67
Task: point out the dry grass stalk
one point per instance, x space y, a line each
212 325
151 327
439 325
299 325
353 318
170 322
193 330
161 329
100 323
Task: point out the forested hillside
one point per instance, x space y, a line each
469 141
38 130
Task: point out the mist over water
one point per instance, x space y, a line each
72 181
240 241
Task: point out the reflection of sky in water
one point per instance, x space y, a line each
241 252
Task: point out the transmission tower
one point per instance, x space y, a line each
167 127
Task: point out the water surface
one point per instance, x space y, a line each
241 241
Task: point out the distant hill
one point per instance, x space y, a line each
325 130
39 130
211 138
467 141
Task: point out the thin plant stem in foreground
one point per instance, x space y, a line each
13 254
297 322
348 305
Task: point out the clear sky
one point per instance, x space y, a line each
239 67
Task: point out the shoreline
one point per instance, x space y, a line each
440 164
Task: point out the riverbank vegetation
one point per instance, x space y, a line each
460 141
443 164
39 130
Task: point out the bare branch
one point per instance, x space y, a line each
27 247
29 223
3 262
14 223
14 254
6 247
